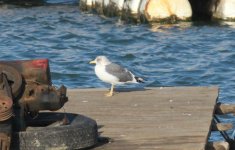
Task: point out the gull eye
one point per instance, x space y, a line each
98 59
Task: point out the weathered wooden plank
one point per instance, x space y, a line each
221 126
224 109
217 146
156 118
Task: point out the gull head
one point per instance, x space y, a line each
100 60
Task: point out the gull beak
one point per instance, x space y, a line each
92 62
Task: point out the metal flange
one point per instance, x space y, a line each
14 79
6 110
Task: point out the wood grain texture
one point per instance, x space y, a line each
168 118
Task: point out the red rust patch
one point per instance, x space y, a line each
40 63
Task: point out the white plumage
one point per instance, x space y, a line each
113 73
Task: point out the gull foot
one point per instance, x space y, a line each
109 94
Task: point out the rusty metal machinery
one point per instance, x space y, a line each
25 89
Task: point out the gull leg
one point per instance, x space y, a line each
110 93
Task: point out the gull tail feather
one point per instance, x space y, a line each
140 80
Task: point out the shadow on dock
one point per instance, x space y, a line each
129 89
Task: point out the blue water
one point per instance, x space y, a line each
183 54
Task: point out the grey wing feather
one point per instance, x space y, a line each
121 73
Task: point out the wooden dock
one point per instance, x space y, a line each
167 118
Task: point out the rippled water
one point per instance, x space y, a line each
184 54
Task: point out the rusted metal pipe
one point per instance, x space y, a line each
43 97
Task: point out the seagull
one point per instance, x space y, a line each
113 73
